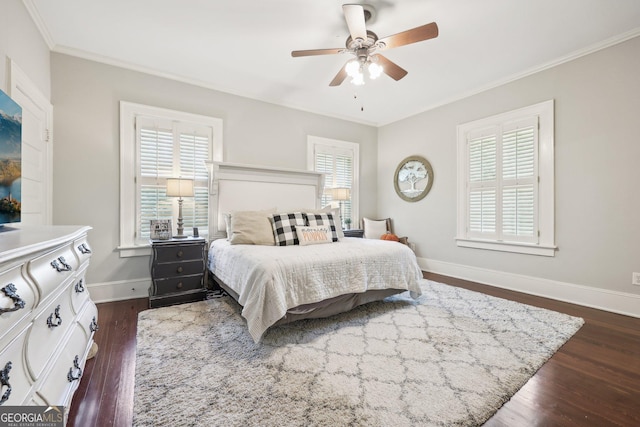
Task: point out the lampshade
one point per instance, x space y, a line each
340 193
179 187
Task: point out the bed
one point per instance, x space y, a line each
277 283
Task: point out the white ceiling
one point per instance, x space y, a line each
244 47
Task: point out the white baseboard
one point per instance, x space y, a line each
602 299
119 290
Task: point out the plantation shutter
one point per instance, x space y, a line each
483 184
194 152
519 181
169 150
502 182
337 165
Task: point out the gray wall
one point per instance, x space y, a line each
21 42
597 152
86 98
597 155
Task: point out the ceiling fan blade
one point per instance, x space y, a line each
354 15
418 34
390 68
314 52
339 78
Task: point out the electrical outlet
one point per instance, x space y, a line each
635 279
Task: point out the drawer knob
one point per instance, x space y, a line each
11 291
179 285
60 264
84 249
4 382
180 269
94 325
180 254
54 323
76 364
80 286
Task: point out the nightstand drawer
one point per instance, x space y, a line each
174 269
178 253
178 284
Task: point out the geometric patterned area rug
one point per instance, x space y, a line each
451 358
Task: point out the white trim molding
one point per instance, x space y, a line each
602 299
120 290
130 244
540 116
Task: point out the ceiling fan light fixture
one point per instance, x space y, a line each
358 80
364 45
353 68
375 70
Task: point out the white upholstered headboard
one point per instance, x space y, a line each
235 187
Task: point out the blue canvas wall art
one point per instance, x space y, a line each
10 160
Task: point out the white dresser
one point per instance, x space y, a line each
47 319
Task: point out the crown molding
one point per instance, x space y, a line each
32 9
620 38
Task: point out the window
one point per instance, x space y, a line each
157 144
338 160
505 182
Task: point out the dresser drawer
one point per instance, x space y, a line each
82 250
48 329
178 284
19 380
88 319
52 268
62 380
174 269
78 291
17 299
173 253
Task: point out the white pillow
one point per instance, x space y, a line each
374 228
314 235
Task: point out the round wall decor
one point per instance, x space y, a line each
413 178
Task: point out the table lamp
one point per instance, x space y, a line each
179 187
340 194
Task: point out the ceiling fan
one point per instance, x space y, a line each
364 44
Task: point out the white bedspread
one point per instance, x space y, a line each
271 279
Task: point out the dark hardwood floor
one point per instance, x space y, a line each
593 380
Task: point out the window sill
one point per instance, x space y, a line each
522 248
132 251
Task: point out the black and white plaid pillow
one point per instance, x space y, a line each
325 219
284 227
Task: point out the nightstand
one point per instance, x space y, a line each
177 271
353 233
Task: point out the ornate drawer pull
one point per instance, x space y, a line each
179 286
80 286
180 253
18 303
60 264
180 269
76 364
4 382
84 249
94 325
58 321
